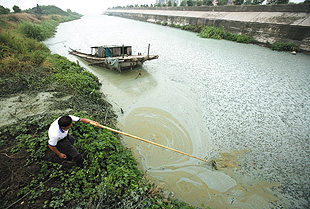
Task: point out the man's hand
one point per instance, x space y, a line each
63 156
94 123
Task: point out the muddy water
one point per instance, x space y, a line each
245 106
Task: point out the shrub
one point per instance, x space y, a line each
39 32
192 27
231 37
11 44
245 39
212 32
281 46
32 30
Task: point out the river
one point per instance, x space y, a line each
245 106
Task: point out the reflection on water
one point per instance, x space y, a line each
246 106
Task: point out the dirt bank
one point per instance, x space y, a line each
18 107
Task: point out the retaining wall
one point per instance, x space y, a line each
286 23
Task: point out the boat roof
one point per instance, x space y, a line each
110 46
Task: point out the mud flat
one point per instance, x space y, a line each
18 107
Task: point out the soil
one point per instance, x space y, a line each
20 106
14 175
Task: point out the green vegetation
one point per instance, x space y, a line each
110 177
213 32
282 46
3 10
52 10
192 27
219 33
39 32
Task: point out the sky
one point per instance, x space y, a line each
85 7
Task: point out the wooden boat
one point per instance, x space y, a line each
114 57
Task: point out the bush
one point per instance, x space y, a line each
231 37
11 44
212 32
192 27
245 39
39 32
219 33
32 30
281 46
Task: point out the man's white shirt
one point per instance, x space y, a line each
55 133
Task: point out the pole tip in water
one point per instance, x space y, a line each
213 164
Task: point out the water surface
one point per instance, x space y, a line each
245 106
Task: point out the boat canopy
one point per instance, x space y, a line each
111 51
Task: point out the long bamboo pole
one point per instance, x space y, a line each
147 141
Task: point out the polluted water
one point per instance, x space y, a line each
245 106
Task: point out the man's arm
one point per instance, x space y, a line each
54 149
85 120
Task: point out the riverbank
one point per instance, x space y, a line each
36 87
266 24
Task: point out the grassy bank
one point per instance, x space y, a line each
33 176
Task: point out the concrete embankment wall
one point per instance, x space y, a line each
286 23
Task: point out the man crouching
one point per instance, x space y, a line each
61 142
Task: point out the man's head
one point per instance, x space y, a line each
65 122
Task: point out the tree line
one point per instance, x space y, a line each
4 11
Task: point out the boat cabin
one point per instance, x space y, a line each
111 51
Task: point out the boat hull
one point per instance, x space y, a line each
115 63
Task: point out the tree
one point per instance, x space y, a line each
4 11
282 1
39 11
199 3
190 3
183 3
277 1
257 2
208 2
169 3
222 2
238 2
16 9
